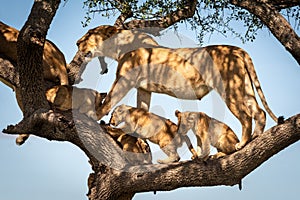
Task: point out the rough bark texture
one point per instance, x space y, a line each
30 55
122 180
113 177
75 68
267 12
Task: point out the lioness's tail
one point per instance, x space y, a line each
251 71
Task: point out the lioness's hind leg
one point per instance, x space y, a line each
241 113
258 115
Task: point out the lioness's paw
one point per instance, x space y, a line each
239 145
168 160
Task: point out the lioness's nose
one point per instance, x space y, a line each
112 122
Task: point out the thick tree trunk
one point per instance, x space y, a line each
275 22
30 55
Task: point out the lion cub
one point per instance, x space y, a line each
136 150
65 97
208 131
149 126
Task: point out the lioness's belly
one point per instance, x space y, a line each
173 83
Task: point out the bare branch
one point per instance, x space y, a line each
187 11
276 23
282 4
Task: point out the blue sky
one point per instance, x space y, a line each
46 170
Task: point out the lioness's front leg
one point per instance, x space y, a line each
120 88
143 99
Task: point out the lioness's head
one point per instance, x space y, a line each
91 43
119 114
186 121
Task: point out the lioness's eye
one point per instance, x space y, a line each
88 54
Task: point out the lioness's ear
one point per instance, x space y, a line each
103 95
111 30
177 113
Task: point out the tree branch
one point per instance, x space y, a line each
76 128
185 12
276 23
30 48
226 171
282 4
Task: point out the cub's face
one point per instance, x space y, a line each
119 114
185 121
90 44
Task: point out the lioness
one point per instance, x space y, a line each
54 63
65 97
186 73
149 126
208 131
111 42
137 150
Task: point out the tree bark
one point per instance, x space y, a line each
266 11
114 179
30 47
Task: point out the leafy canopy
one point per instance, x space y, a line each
211 16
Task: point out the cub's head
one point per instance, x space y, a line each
90 44
186 121
119 114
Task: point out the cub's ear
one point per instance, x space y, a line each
177 113
191 118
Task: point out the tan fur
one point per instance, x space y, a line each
111 42
137 151
149 126
65 97
208 131
54 63
186 73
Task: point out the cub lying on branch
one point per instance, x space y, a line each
65 97
147 125
208 131
136 150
